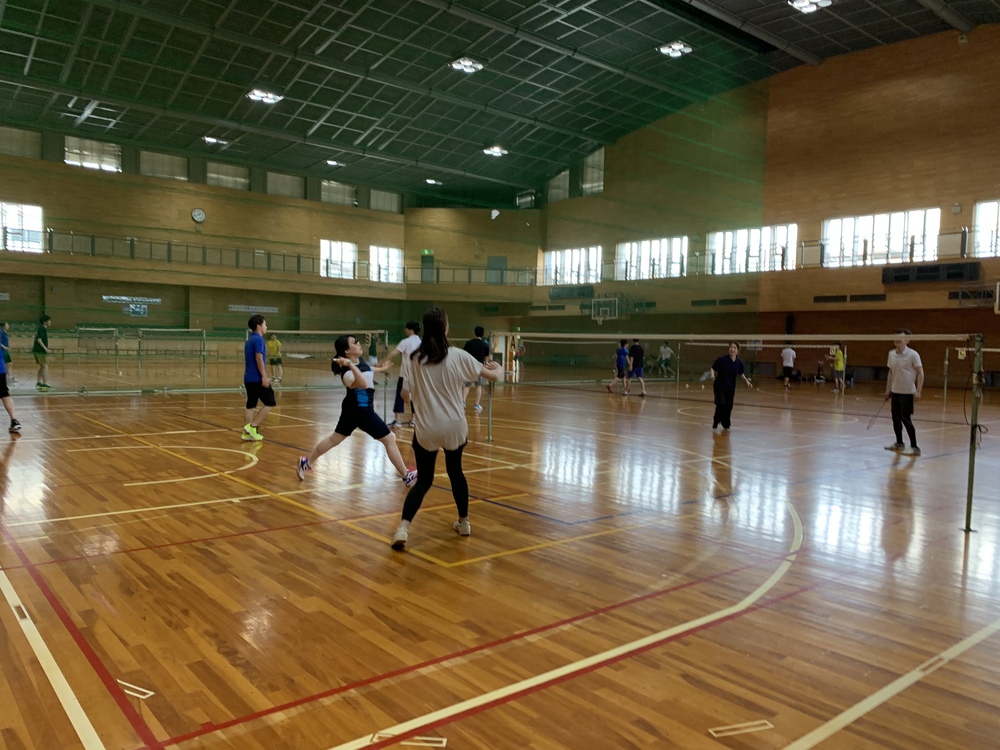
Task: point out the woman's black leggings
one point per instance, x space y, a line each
425 478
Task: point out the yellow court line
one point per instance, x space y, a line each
240 480
387 540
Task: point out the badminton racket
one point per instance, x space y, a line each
877 413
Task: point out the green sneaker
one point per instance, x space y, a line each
250 433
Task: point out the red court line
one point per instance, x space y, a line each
585 670
209 727
138 724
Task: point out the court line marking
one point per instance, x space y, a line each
433 664
252 462
876 699
569 671
233 477
138 724
745 728
67 698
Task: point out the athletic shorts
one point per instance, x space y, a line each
4 393
787 371
257 392
365 420
635 372
619 372
40 358
470 383
274 361
838 374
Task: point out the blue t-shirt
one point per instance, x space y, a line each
726 372
621 358
254 345
5 342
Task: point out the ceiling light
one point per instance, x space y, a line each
675 49
432 181
265 92
467 65
810 6
333 163
495 151
214 140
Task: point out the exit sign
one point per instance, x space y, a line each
427 251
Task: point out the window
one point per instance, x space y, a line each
17 142
593 173
581 265
22 227
339 193
651 259
900 237
228 175
83 152
288 185
986 239
337 259
382 200
385 264
753 250
558 188
153 164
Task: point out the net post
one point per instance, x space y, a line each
944 395
977 392
204 358
489 412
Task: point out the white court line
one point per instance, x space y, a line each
822 732
597 659
67 698
156 508
252 462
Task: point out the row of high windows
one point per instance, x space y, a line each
107 157
879 239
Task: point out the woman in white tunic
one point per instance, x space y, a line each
438 372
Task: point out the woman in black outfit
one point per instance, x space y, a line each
724 373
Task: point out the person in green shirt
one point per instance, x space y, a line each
41 351
839 360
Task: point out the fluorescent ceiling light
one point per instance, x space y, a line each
675 49
432 181
265 93
214 140
333 163
810 6
467 65
495 151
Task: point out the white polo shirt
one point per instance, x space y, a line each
903 371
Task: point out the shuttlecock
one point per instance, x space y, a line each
703 386
687 385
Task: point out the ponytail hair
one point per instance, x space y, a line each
340 346
434 347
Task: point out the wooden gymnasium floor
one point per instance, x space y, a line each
633 581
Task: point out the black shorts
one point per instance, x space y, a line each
787 371
620 372
257 392
4 393
365 420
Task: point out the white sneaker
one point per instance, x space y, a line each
303 467
410 477
463 527
897 447
400 538
477 407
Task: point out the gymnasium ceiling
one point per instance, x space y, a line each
367 83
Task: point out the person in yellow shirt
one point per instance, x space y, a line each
274 356
839 360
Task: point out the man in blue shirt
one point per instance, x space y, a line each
255 380
8 402
621 363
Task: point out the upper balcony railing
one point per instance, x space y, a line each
197 254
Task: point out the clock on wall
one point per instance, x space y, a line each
198 215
